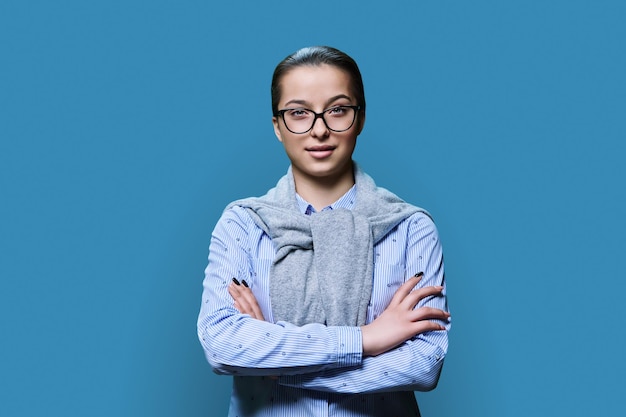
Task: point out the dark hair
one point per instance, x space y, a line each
316 56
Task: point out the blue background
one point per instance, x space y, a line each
126 127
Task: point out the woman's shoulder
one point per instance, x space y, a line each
235 216
421 220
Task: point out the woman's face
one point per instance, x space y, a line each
319 154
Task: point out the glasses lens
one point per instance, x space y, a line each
337 118
298 120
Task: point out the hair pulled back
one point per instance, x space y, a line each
316 56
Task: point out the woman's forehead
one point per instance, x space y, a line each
315 82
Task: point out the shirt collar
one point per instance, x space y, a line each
346 202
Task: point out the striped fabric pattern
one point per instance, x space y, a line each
279 369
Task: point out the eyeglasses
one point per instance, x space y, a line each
300 120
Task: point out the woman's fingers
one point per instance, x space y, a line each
407 297
245 301
235 292
405 289
429 313
414 297
401 320
427 326
242 301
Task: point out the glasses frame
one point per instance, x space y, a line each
281 114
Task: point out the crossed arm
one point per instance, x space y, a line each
406 341
399 322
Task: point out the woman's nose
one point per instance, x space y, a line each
320 130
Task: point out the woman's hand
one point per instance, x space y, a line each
245 301
401 321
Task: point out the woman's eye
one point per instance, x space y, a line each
337 111
298 113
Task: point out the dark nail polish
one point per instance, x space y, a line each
245 284
419 275
235 281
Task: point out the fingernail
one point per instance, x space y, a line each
245 284
235 281
419 275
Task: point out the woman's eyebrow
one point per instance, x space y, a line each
308 104
337 97
299 102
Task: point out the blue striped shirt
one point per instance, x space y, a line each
280 369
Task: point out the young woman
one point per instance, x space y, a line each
326 296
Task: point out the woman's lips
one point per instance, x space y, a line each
320 152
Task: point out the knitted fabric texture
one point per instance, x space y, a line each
324 262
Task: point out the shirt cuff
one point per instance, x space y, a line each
349 346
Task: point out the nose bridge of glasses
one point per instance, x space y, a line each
320 116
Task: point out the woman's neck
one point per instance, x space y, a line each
322 192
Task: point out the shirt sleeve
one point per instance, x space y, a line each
237 344
416 364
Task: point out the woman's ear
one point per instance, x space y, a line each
276 128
